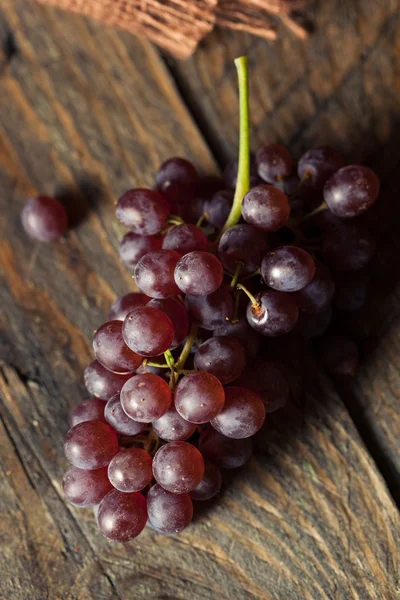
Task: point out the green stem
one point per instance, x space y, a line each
154 364
236 275
186 348
169 359
243 177
248 294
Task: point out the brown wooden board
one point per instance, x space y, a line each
341 87
86 112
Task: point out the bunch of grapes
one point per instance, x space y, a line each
179 383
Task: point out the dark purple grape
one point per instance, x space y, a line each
44 219
133 246
318 165
142 211
231 172
88 410
121 517
340 354
311 326
199 397
317 295
351 191
210 485
131 470
219 207
241 330
349 247
266 379
101 382
243 414
211 311
198 273
274 314
172 427
146 397
177 312
287 268
177 179
221 356
154 274
86 488
274 162
185 238
148 331
178 467
242 244
225 452
266 207
126 304
91 445
303 199
119 420
168 513
112 352
351 290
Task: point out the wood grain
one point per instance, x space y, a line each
340 88
89 112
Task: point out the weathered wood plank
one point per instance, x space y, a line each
341 88
93 111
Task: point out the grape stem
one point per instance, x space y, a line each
243 176
248 294
295 222
169 359
154 364
201 220
236 275
187 347
250 275
175 220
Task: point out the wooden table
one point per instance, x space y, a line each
87 112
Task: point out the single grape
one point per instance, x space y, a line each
242 244
219 207
287 268
142 211
44 219
199 397
148 331
340 354
273 162
349 247
311 326
154 274
266 379
317 295
274 314
243 414
121 517
168 513
266 207
222 356
241 330
119 420
210 485
146 397
133 246
101 382
227 453
130 470
88 410
171 427
178 467
112 352
185 238
91 445
86 488
317 165
351 290
177 312
351 191
177 179
231 172
211 311
126 304
198 273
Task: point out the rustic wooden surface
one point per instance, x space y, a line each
86 112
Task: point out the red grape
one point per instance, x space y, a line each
199 397
101 382
178 467
317 295
225 452
168 513
242 244
121 517
86 488
88 410
198 273
219 207
241 330
275 313
91 445
44 219
154 274
318 164
211 311
148 331
177 312
273 162
288 268
133 246
266 207
130 470
231 172
177 179
171 427
143 211
243 414
222 356
119 420
185 238
126 304
351 191
210 485
112 352
146 397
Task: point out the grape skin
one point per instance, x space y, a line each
112 352
133 246
185 238
131 470
227 453
349 247
288 268
119 420
198 273
222 356
171 427
351 191
210 485
241 330
177 179
88 410
176 311
219 207
242 244
168 513
266 207
145 398
275 314
242 416
318 164
122 306
121 516
266 379
85 488
154 274
101 382
148 331
274 162
44 219
317 295
90 445
142 211
178 467
211 311
199 397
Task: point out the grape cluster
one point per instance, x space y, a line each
179 381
